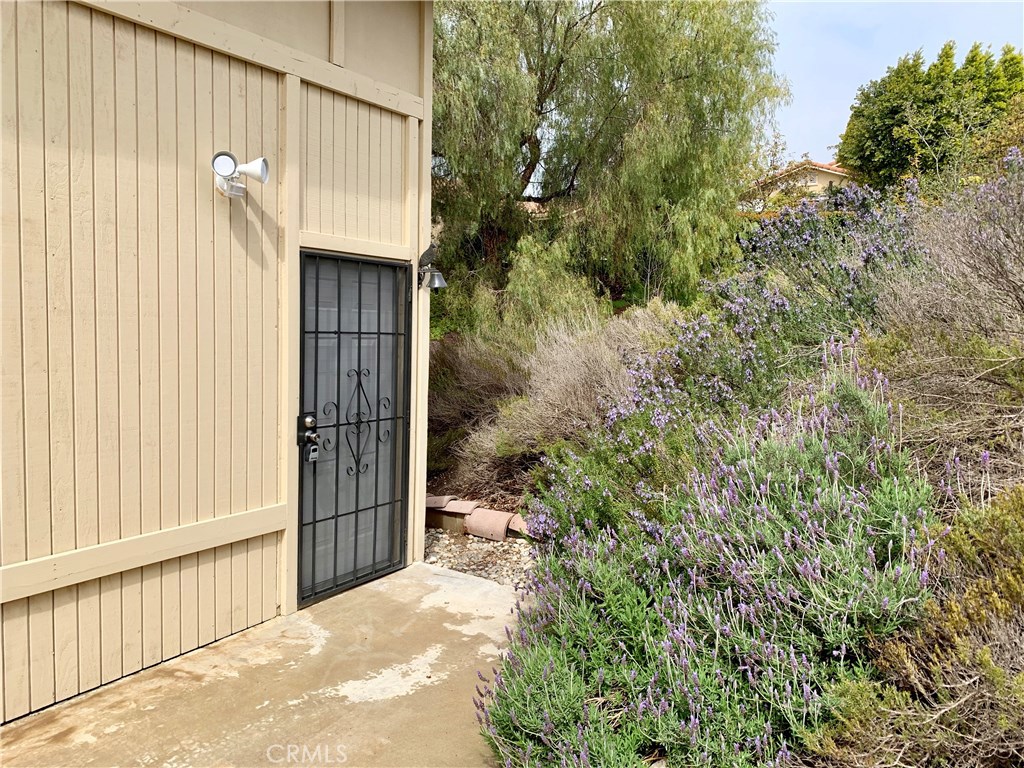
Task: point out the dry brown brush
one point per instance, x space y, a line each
954 344
515 402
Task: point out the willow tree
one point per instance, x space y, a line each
628 125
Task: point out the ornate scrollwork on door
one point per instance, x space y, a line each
357 437
359 413
356 411
330 411
383 433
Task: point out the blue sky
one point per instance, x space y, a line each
827 49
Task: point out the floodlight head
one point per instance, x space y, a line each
225 165
257 169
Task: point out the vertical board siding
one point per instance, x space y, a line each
59 311
353 163
271 85
205 369
15 656
140 365
12 420
125 322
35 364
52 650
105 264
83 280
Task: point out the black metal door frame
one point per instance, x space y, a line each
354 429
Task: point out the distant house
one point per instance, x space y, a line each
804 178
809 176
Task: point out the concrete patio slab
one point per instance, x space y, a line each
382 675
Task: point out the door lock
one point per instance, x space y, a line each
305 432
311 451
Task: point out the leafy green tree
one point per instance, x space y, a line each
625 125
992 144
976 71
871 145
928 120
1008 78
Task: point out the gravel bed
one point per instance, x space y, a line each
505 562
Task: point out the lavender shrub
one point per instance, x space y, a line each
712 635
709 565
829 253
810 273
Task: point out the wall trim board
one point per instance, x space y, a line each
338 32
220 36
44 574
418 467
414 549
354 246
289 317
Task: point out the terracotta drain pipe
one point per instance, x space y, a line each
462 516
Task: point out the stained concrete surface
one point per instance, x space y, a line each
382 675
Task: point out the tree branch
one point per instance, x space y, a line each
532 143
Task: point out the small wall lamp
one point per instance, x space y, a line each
228 172
430 275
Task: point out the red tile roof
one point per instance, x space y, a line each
825 166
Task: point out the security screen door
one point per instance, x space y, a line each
353 430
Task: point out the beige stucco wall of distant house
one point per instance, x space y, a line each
812 179
150 343
819 179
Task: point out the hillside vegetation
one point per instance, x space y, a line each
779 525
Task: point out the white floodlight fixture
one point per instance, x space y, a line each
228 171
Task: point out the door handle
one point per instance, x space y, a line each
305 432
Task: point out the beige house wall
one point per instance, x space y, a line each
819 179
301 24
353 168
814 180
149 380
378 37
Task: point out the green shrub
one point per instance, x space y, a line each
468 380
962 394
952 687
557 394
440 450
569 374
540 289
709 626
